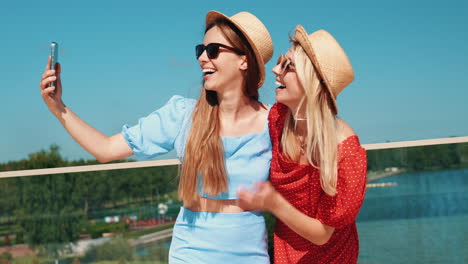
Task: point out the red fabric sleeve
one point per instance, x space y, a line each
342 209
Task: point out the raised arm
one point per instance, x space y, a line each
102 147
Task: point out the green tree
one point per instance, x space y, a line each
46 211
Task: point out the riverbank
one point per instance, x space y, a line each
377 175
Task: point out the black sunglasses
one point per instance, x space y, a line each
212 50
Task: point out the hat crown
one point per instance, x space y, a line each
329 60
257 32
332 61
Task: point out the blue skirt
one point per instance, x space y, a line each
202 237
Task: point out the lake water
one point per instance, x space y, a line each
422 220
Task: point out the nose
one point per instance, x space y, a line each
203 58
276 70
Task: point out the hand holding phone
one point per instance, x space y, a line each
50 84
54 57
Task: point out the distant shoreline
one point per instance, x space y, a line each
377 175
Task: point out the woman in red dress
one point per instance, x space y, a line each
318 168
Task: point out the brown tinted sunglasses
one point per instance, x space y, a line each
285 64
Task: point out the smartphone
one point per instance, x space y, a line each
54 55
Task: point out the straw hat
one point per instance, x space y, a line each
328 58
254 31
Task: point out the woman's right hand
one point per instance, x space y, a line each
52 95
102 147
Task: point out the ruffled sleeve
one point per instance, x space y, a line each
156 133
342 209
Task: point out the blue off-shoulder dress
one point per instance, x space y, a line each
209 237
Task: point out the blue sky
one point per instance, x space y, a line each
123 59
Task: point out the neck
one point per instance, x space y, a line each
301 128
233 104
300 118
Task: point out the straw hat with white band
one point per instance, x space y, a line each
254 31
329 60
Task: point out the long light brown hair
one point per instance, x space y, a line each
204 158
321 138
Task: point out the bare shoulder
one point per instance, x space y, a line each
262 111
258 120
344 130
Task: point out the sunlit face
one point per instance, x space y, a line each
290 91
224 70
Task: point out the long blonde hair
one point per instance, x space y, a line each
321 139
204 158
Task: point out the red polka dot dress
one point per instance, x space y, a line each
300 185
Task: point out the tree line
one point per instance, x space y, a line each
53 209
419 158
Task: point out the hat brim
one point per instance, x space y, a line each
212 16
302 38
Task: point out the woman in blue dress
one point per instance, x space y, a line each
222 140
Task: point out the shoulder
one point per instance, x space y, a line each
180 102
176 107
276 111
263 111
349 143
344 131
276 119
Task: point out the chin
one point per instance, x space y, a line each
280 99
209 87
285 101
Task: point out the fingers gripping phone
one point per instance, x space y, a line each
54 57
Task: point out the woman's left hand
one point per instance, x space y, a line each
263 198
